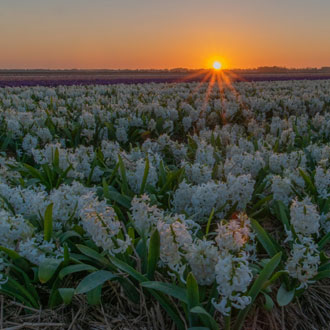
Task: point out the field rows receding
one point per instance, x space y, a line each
166 206
56 78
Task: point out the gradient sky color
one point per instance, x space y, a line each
163 33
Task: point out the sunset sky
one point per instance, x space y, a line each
163 33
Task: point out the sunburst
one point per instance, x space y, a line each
219 78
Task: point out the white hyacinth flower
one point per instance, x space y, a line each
304 217
100 222
202 256
233 277
304 261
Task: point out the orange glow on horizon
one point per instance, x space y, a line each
176 34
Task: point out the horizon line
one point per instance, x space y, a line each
170 69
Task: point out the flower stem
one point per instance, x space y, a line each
228 321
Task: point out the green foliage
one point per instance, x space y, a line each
47 269
265 240
48 223
284 297
93 280
153 254
66 294
169 289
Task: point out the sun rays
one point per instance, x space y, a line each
215 81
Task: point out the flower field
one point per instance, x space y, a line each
205 202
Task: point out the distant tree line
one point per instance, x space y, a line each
261 69
279 69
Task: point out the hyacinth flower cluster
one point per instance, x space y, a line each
233 275
304 259
158 185
224 259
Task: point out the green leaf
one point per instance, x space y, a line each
119 213
130 290
142 250
93 280
13 286
283 296
209 221
48 222
5 143
122 200
324 241
169 308
75 269
213 294
11 253
283 215
325 266
131 234
54 297
264 200
170 178
323 257
105 188
193 296
28 285
92 254
129 270
202 312
14 294
162 173
145 176
94 296
66 294
274 278
264 238
153 254
169 289
123 175
321 275
192 291
79 229
308 181
269 303
49 176
66 254
47 269
34 172
68 234
258 284
79 258
56 160
113 174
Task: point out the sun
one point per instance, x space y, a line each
216 65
